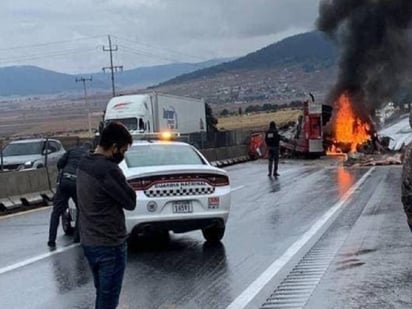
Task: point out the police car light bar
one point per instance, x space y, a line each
162 136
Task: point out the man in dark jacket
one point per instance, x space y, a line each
66 189
103 193
272 139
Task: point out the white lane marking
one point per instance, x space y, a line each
237 188
36 259
252 290
49 254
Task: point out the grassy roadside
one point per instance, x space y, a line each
78 126
257 120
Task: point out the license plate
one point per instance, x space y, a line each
182 207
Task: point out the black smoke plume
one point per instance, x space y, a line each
373 37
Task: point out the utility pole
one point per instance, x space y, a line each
84 80
112 68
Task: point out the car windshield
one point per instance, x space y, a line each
22 149
162 154
129 123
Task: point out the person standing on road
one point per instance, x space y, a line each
103 193
406 188
272 139
66 189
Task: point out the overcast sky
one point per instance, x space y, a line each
68 35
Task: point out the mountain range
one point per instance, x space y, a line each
285 70
32 80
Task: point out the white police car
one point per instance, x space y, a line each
177 190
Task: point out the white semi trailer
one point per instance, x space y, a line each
155 112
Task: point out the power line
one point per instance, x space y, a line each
151 55
148 54
112 67
47 55
49 43
161 48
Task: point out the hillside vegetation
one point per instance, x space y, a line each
279 73
310 51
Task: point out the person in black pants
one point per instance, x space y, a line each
66 189
103 194
272 139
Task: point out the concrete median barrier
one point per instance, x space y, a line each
26 188
6 204
225 156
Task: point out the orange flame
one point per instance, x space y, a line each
348 128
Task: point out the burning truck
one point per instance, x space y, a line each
348 132
324 130
303 137
374 43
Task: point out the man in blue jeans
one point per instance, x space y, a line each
103 193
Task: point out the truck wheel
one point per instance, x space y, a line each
214 233
67 223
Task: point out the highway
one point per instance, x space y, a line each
320 236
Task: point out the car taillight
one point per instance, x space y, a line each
218 180
140 184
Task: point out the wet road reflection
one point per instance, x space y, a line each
71 272
344 180
183 272
267 216
274 185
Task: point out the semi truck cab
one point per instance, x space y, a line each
132 111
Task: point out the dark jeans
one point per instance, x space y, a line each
107 265
273 157
65 190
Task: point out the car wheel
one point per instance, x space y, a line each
214 233
67 223
163 237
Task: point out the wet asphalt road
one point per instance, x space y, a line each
369 270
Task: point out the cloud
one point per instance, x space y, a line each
201 29
240 18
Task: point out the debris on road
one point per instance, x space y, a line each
359 159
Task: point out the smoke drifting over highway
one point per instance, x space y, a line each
374 41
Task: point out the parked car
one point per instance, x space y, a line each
177 190
31 154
